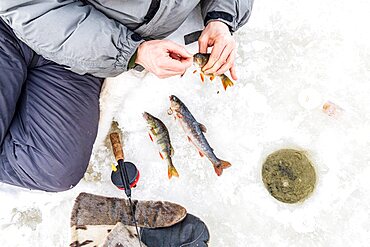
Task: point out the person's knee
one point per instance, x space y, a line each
66 174
46 171
67 181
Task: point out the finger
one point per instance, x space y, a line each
174 73
225 57
175 56
215 55
233 73
187 62
178 50
164 73
203 44
227 65
175 66
183 73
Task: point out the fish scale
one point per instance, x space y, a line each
200 60
194 131
162 139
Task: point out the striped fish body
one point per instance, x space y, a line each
159 134
200 60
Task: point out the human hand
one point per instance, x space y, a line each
163 58
222 58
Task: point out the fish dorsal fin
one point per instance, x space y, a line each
203 128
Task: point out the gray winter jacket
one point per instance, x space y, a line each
100 36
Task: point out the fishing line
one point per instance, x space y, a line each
124 174
127 188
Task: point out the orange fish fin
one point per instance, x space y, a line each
203 128
150 136
201 154
195 71
226 82
212 77
220 168
179 115
160 154
202 77
172 172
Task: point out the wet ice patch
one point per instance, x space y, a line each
28 218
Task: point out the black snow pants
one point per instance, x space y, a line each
48 118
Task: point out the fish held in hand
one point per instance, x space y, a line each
195 133
200 60
158 133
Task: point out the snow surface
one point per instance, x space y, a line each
293 56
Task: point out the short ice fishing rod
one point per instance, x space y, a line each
125 175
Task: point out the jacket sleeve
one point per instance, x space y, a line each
72 34
234 13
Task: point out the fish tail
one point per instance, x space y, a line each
219 168
172 171
226 81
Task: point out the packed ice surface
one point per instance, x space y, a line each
293 57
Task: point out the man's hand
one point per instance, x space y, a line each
163 58
222 58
